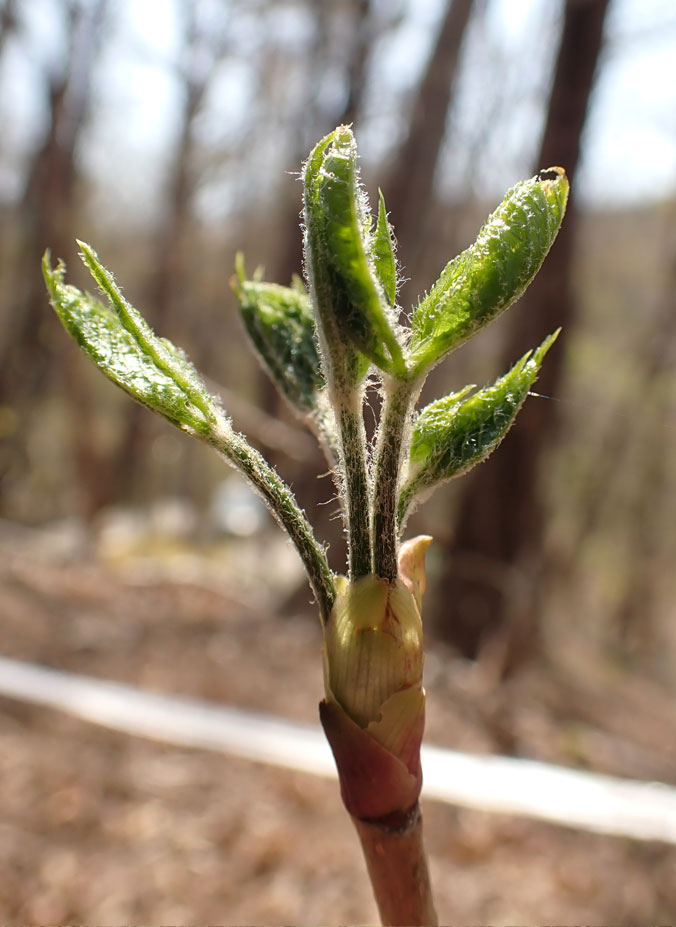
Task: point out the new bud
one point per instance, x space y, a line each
374 711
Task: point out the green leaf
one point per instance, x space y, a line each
337 218
489 276
453 434
167 357
383 253
125 349
280 323
345 366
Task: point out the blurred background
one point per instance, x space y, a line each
169 134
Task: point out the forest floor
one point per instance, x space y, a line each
101 828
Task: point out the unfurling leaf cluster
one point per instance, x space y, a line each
321 346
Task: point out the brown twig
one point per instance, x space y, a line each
397 866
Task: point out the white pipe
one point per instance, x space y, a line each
588 801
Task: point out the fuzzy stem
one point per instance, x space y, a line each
399 399
357 490
322 423
397 867
283 506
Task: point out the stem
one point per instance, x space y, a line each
344 380
399 398
323 425
397 866
283 506
357 490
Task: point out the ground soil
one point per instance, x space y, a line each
101 828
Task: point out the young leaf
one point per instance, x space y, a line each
489 276
123 358
339 211
453 434
383 253
166 356
281 326
345 366
157 374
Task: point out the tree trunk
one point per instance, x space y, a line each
410 186
169 282
316 495
636 632
289 260
7 22
496 563
28 351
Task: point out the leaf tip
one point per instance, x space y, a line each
46 264
554 181
552 174
238 279
88 256
53 276
540 352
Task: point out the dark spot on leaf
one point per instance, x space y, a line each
550 174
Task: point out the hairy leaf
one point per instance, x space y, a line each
383 253
281 325
337 212
126 350
167 356
345 366
453 434
488 277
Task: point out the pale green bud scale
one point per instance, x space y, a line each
373 646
